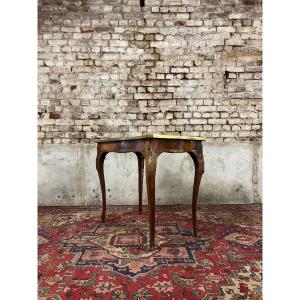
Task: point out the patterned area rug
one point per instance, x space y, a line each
81 258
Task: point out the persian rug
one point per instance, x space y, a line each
81 258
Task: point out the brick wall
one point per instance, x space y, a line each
181 67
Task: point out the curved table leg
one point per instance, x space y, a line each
140 158
151 161
100 168
199 170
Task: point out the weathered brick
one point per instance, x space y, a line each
237 16
216 121
143 96
198 121
179 70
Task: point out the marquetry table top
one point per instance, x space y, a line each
155 136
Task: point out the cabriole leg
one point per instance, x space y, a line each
199 170
140 158
151 161
100 168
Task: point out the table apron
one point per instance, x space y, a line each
171 146
122 146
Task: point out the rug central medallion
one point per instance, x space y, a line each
124 249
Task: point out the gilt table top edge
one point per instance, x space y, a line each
154 136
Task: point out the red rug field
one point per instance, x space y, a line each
81 258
